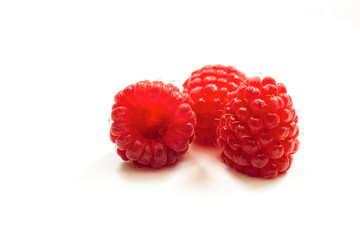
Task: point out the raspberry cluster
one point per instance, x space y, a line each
208 88
153 123
258 130
251 120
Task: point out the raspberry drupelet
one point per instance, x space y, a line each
208 88
153 123
258 130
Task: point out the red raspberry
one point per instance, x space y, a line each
153 123
208 87
258 129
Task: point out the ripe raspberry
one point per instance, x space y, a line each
208 87
153 123
258 129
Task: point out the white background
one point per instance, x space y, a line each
62 62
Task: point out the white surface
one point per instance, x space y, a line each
60 66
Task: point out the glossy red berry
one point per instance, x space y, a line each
258 130
208 88
153 123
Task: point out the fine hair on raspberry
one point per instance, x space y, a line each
153 123
208 87
258 129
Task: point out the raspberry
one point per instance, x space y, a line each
153 123
258 130
208 88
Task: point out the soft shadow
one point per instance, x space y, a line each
197 179
192 169
255 182
196 174
131 172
